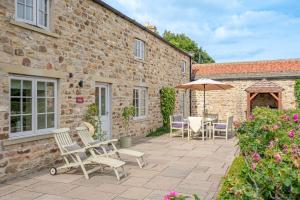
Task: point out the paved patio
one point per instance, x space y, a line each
189 167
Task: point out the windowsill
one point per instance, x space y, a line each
143 118
33 28
140 60
13 141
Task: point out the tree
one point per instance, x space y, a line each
187 44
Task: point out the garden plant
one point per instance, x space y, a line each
269 165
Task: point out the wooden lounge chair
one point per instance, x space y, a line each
75 156
94 146
223 127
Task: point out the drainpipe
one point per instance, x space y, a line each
190 90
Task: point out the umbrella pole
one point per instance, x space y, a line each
204 101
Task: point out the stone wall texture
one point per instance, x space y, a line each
234 101
95 45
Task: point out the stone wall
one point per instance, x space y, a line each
234 101
95 45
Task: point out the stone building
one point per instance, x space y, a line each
259 83
59 56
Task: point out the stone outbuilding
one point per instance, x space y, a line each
258 83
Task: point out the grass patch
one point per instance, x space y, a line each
233 174
158 132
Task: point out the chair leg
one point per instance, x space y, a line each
140 162
213 133
117 174
171 132
182 131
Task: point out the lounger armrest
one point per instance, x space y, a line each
112 141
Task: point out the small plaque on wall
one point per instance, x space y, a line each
79 99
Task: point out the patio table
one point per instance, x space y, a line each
209 121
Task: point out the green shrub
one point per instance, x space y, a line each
167 104
158 132
297 92
270 147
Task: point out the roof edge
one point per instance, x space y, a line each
120 14
244 62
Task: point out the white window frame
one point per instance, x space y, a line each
182 104
34 131
139 49
140 90
35 14
183 66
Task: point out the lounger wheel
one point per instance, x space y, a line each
53 171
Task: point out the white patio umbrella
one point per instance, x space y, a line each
204 85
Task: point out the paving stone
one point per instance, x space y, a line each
23 182
49 187
156 195
53 197
143 173
21 195
96 181
136 193
6 189
175 172
89 193
135 181
162 183
112 188
193 177
61 178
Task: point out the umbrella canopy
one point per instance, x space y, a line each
204 85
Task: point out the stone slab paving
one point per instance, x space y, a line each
189 167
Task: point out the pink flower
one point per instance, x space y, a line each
251 117
285 148
170 195
255 157
291 134
253 166
271 144
296 117
275 127
277 157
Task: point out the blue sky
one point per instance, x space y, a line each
229 30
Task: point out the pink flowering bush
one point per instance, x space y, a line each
270 147
174 196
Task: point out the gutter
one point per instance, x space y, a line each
191 81
118 13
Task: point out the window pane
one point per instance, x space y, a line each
27 88
41 121
27 123
27 106
15 88
15 124
21 1
29 3
21 11
97 97
15 106
29 13
50 89
50 105
41 18
50 120
103 101
41 90
41 105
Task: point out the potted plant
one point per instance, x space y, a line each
92 116
127 115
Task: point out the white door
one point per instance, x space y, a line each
103 101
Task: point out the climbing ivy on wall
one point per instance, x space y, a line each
297 92
167 104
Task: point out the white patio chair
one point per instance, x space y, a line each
75 156
223 128
93 146
177 122
195 125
